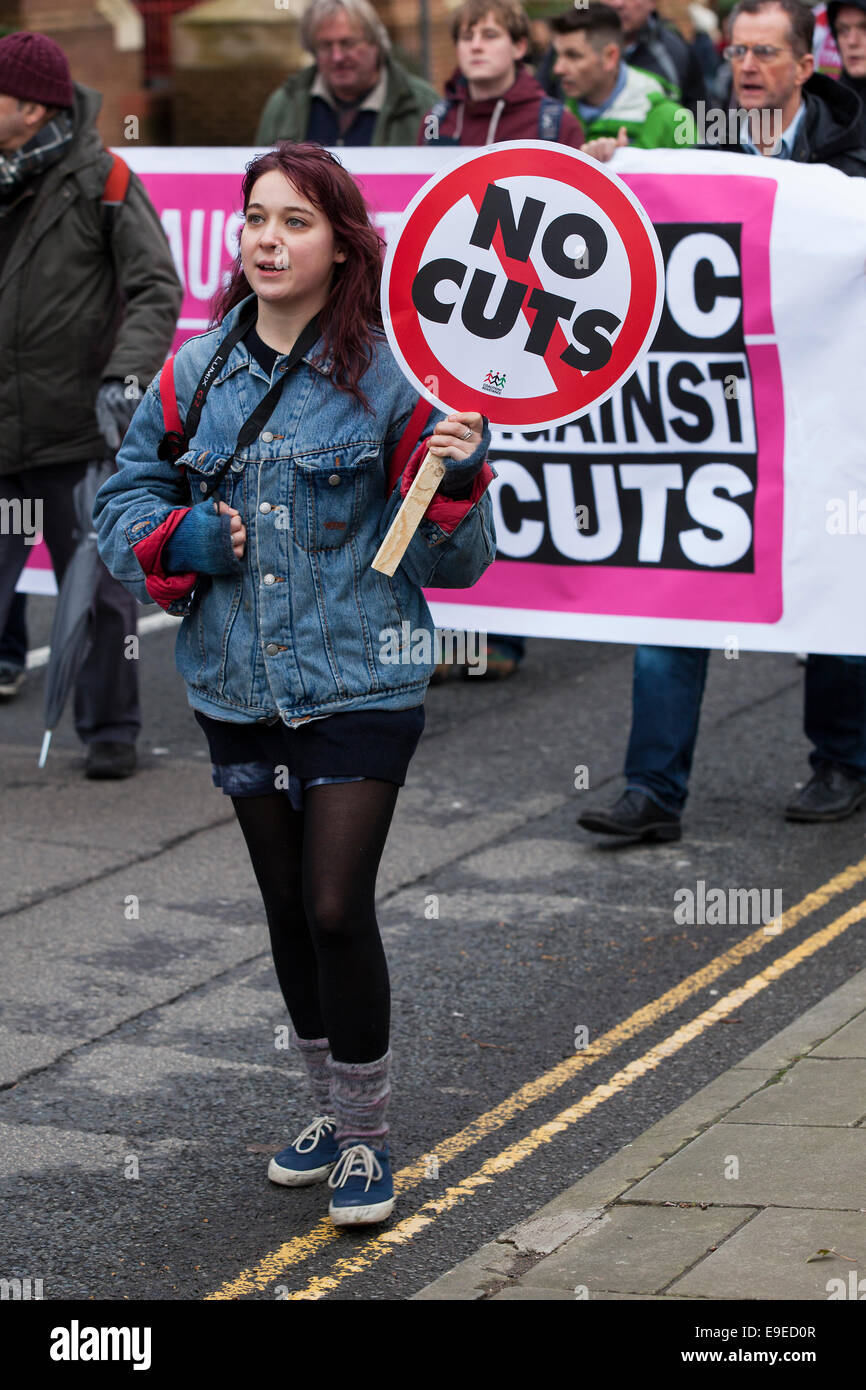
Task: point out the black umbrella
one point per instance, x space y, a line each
70 633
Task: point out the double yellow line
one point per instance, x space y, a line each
279 1263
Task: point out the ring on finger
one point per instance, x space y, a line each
468 434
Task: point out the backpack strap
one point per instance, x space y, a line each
170 413
114 192
437 115
549 118
175 440
168 396
408 441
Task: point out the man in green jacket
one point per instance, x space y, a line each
89 299
606 93
354 93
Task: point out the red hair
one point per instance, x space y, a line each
352 313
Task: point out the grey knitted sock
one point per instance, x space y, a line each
316 1054
360 1092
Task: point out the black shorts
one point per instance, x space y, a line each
256 759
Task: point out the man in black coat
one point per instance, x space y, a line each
792 114
796 113
89 298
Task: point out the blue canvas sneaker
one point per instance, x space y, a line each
310 1157
363 1186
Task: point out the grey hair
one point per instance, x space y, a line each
360 10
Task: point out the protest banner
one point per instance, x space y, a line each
719 494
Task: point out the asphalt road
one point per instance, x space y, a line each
143 1082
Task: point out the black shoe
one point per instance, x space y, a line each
110 760
830 794
11 679
635 815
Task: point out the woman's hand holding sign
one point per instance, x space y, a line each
457 436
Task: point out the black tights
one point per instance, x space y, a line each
317 873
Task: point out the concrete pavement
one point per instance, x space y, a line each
728 1197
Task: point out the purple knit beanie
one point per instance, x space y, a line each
35 68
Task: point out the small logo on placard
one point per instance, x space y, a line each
495 382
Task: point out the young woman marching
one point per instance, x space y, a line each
257 519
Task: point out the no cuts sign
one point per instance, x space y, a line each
526 283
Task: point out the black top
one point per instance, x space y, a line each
264 355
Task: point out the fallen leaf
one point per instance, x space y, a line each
823 1254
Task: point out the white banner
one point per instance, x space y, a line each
720 495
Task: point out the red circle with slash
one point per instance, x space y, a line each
435 374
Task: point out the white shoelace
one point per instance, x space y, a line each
313 1133
360 1161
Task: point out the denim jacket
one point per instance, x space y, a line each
298 627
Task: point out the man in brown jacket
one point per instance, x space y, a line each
89 299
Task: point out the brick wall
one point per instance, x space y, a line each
88 42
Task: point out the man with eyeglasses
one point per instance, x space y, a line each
812 120
793 112
355 93
847 19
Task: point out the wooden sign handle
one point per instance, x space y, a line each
409 517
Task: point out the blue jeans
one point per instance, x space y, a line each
666 706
